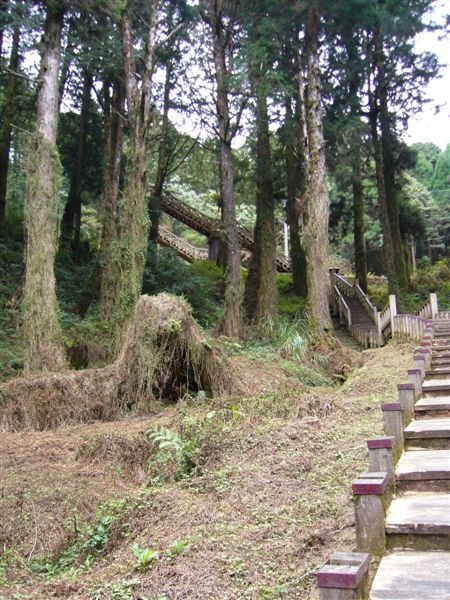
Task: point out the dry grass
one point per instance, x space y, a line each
164 354
271 501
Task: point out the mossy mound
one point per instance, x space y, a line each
165 355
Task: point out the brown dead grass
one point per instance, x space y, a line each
271 503
164 354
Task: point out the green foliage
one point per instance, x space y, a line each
180 452
378 294
88 543
200 283
440 182
145 557
289 304
432 278
115 591
177 547
307 375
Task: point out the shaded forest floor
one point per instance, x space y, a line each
245 499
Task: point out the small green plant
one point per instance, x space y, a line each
182 451
115 591
177 547
144 557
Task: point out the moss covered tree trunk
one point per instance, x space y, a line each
43 344
231 323
114 122
129 251
6 128
260 299
317 214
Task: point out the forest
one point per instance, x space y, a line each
177 179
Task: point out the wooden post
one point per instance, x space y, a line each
381 456
434 306
393 306
393 425
406 397
426 353
344 577
415 377
369 490
419 363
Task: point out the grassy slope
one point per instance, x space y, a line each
271 501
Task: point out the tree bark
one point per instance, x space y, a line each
43 343
385 121
3 9
72 213
114 123
260 298
130 250
231 323
161 171
317 214
387 240
6 129
358 220
296 178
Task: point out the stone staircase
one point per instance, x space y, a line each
417 565
402 505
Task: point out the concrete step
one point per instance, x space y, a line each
428 433
438 372
419 521
432 406
423 470
413 576
436 385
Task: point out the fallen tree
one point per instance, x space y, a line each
165 355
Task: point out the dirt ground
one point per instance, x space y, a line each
270 498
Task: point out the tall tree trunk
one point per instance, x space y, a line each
391 193
296 178
385 121
130 250
358 219
387 239
317 214
6 129
114 122
161 171
67 58
354 75
231 323
260 299
43 344
72 213
3 9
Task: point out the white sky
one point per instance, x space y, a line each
432 125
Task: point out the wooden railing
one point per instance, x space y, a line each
184 249
368 338
342 307
206 225
412 326
387 322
